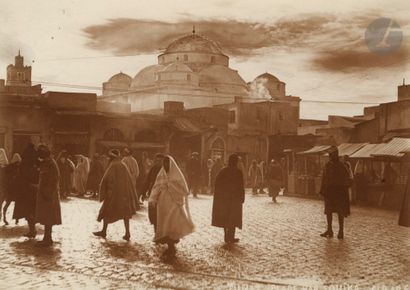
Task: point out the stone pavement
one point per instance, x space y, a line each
280 247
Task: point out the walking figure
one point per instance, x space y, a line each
149 184
117 192
11 172
229 197
48 211
334 189
274 179
193 170
170 198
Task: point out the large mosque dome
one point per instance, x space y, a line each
194 70
193 43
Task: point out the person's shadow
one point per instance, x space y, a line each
8 232
46 257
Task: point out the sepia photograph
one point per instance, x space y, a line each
221 144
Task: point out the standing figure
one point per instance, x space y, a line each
274 179
133 168
208 176
216 168
149 184
3 179
193 170
12 181
66 168
349 169
117 193
228 200
404 219
262 169
170 198
81 174
25 205
48 211
255 176
284 166
334 189
95 175
242 167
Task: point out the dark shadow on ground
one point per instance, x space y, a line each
12 231
128 251
43 257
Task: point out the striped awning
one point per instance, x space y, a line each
395 148
321 149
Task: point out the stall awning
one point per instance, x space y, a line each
394 148
321 149
366 151
349 148
185 125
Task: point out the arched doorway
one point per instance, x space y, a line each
218 149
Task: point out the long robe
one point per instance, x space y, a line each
12 177
170 195
48 211
95 175
133 168
81 175
229 197
117 193
66 170
27 189
334 188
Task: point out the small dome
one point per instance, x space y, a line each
146 76
120 78
269 77
194 43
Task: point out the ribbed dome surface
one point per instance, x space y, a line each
194 43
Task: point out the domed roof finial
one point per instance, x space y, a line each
19 53
193 29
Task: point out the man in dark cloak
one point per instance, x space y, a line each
193 170
117 192
334 189
229 197
274 178
48 211
25 205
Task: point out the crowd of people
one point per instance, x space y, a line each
35 181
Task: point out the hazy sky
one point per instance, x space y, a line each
316 47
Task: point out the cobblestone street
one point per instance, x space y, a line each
280 246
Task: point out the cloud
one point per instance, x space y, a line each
237 38
335 41
350 60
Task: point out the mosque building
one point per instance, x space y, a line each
193 70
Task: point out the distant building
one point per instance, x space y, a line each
193 70
19 79
377 124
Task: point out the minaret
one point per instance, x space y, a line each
18 74
19 61
193 29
